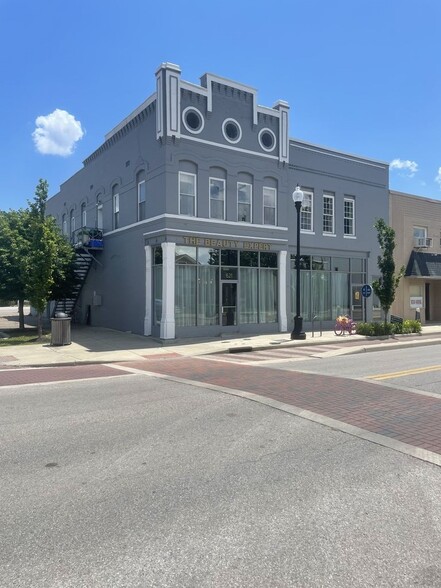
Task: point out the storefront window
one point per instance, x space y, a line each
249 292
268 296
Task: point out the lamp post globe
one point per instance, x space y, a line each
298 332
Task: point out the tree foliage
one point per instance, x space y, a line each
385 287
36 261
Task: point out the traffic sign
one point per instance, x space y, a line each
366 290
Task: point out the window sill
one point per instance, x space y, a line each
329 235
349 237
304 232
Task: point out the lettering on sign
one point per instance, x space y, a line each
227 243
416 301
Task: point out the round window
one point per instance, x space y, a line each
231 130
193 120
267 139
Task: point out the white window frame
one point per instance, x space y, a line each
181 173
331 197
250 203
419 236
210 179
83 215
349 199
274 193
72 223
307 213
116 210
141 201
64 225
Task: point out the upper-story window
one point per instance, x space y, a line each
217 198
72 222
115 203
306 215
141 195
64 225
193 120
267 139
420 232
99 213
187 193
83 215
328 214
244 202
269 206
349 216
231 130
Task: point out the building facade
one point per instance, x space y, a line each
193 194
417 224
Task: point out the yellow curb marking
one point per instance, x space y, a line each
431 368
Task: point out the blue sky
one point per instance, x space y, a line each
361 76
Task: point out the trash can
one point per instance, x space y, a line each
60 329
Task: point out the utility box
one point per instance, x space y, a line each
60 329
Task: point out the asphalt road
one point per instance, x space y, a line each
417 368
136 481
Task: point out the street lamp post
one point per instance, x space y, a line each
298 332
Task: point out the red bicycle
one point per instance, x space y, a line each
344 324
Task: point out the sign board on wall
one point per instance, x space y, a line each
416 301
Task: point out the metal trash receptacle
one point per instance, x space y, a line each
60 329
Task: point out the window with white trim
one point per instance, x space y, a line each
217 198
244 202
72 223
141 200
306 214
328 214
83 215
349 217
187 194
115 200
420 232
269 206
64 224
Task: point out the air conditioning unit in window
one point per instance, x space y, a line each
423 242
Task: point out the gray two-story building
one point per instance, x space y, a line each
192 193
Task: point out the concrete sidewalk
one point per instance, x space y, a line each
99 345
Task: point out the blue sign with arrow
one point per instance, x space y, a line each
366 290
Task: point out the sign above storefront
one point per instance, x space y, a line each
226 243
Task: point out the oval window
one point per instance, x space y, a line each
267 139
231 130
193 120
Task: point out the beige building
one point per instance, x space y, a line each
417 224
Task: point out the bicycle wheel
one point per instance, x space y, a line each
338 330
353 329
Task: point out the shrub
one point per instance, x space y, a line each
382 329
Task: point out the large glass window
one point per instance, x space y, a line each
187 194
217 198
328 214
269 206
157 285
306 214
244 202
349 217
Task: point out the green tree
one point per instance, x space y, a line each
387 284
50 258
14 249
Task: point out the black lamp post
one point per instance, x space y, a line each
298 332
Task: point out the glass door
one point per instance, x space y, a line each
229 303
357 303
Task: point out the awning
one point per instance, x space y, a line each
423 265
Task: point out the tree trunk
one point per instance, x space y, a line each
21 322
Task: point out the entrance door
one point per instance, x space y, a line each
229 303
357 303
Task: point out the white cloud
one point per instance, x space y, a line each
438 177
411 167
57 133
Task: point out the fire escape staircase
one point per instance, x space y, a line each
84 241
